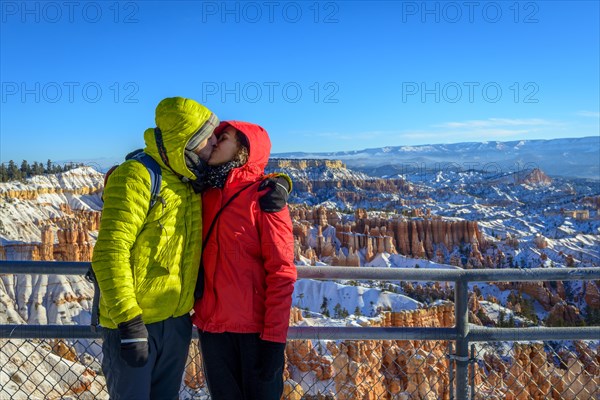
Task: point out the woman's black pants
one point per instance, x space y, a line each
241 366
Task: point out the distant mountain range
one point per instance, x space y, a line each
572 157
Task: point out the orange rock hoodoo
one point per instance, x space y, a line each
424 238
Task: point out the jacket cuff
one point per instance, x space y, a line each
273 338
125 315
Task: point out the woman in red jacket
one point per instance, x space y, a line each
249 270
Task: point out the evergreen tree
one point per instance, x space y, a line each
13 171
511 321
337 311
592 316
38 168
501 316
3 173
325 307
25 171
10 171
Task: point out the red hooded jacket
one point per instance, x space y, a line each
249 259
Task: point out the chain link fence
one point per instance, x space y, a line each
536 370
51 369
396 360
330 369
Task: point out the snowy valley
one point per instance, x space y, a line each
447 218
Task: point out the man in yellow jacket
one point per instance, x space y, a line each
146 258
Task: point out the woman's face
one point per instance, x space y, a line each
226 149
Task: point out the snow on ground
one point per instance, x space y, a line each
20 219
386 260
493 311
321 296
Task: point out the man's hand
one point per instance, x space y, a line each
278 188
134 342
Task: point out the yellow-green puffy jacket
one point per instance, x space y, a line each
148 263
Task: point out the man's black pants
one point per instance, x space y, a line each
241 366
160 378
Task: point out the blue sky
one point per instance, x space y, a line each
81 80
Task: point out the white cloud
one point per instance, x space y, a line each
478 130
495 122
472 134
592 114
350 136
483 130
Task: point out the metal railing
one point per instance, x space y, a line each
462 334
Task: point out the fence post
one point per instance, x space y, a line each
461 310
472 368
451 368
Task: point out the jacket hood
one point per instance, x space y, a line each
259 152
177 120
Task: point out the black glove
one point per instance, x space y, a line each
275 199
134 342
272 359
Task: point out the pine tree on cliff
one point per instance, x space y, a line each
25 170
3 173
13 171
325 307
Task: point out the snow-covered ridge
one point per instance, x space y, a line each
572 157
315 170
69 181
26 206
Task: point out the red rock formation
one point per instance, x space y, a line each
592 201
47 246
302 164
563 314
61 349
538 290
592 295
72 243
20 252
194 375
540 241
29 194
535 177
416 238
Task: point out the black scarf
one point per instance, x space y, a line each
217 175
199 168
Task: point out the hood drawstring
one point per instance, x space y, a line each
162 151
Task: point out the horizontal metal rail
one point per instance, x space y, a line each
476 333
483 334
44 267
355 273
49 332
462 334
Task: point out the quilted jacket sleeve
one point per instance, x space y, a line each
277 243
126 203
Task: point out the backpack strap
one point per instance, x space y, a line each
155 183
199 290
212 225
95 317
155 175
153 169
